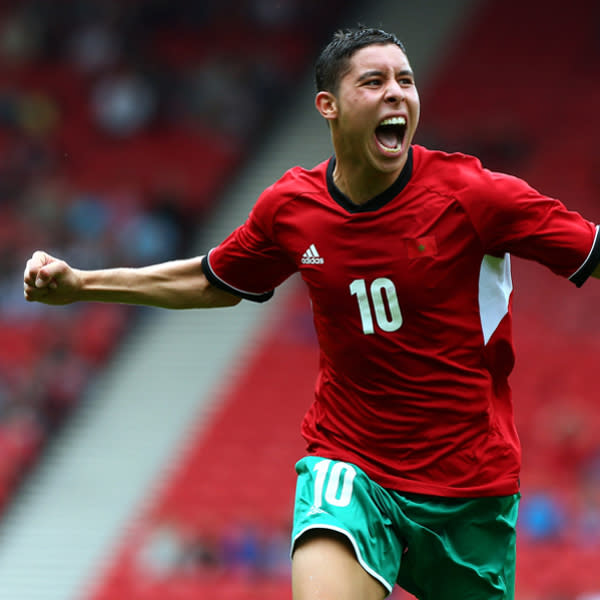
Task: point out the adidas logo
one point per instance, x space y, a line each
311 256
315 510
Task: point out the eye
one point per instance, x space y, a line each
373 82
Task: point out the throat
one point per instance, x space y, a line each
360 187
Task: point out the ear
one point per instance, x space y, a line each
326 104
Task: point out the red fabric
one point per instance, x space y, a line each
410 389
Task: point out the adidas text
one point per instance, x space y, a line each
311 256
312 260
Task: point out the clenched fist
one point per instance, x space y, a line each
50 280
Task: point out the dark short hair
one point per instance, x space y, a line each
334 61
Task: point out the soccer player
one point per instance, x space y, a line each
411 473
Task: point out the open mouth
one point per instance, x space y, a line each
390 133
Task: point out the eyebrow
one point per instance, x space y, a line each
379 73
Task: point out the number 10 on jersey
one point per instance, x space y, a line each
379 299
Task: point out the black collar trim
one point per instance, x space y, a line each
376 202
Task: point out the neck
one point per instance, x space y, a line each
359 183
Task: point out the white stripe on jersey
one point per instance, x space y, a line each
495 288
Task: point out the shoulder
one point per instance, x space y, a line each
298 180
461 175
450 166
294 183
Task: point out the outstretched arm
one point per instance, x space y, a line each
173 284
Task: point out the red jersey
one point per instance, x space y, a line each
411 296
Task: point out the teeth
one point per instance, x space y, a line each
394 121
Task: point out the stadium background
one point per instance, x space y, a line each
146 454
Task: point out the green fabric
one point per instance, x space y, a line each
435 548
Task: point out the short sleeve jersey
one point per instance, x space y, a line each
412 298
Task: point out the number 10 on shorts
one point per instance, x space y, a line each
333 483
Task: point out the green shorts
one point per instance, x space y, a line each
435 548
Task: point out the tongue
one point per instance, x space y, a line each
388 137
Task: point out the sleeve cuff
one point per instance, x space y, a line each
217 282
591 262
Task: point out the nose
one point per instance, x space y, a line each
394 92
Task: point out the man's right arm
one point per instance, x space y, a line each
175 284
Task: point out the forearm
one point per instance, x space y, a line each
175 284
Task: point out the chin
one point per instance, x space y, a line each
391 164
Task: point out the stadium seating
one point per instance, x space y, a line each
70 184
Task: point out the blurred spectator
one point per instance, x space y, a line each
123 102
542 518
201 554
276 553
218 95
161 554
94 48
275 13
65 374
148 238
20 37
241 549
587 520
244 550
